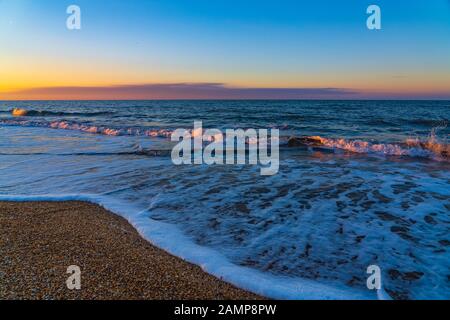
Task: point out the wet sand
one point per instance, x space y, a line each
40 240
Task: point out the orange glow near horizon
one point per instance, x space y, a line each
25 80
41 59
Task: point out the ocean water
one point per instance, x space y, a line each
370 186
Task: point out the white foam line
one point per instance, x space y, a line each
169 238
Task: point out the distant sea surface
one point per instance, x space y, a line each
370 186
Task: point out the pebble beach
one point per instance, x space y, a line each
40 240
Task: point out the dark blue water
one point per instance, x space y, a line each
384 121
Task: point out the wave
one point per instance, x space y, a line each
430 148
103 130
46 113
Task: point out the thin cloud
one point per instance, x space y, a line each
179 91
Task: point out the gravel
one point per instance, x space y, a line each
40 240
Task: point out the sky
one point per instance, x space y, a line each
246 49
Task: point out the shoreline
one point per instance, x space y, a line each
40 240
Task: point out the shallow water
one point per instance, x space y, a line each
364 196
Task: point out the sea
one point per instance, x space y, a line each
361 185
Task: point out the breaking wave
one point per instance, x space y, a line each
431 148
71 125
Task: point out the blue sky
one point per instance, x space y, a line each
252 44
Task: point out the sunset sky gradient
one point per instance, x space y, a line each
173 49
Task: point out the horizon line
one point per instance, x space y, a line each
240 99
208 91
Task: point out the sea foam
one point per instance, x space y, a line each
431 148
